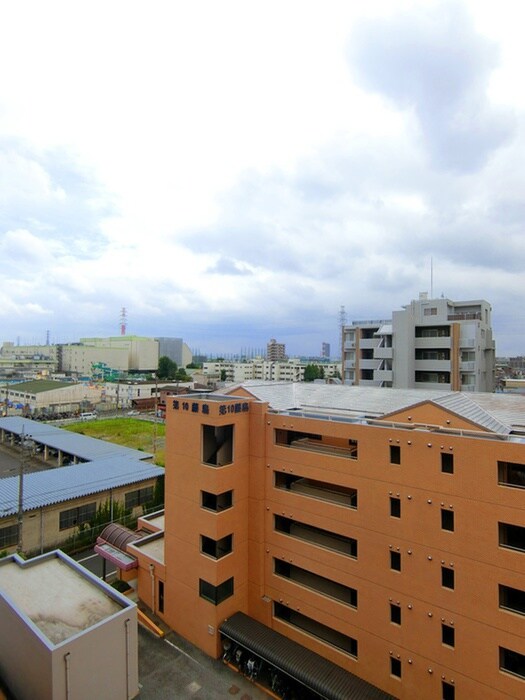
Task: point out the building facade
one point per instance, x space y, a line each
275 351
384 531
431 343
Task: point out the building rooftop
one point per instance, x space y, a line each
496 412
37 386
55 594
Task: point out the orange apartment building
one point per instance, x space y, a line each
382 529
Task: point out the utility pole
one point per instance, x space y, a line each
26 443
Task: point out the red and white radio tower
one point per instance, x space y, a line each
123 320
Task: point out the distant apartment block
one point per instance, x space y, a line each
291 370
275 351
430 343
325 350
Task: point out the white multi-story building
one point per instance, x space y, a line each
430 343
291 370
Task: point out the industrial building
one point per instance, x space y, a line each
383 531
429 344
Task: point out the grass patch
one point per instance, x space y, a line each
128 432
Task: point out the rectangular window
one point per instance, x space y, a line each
448 691
395 507
512 662
161 597
512 599
217 548
317 583
430 311
395 561
395 454
447 520
216 594
77 516
313 442
447 577
316 629
139 497
512 536
217 501
395 667
395 614
448 635
217 445
8 536
316 535
447 463
341 495
511 474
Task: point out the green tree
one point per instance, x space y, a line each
167 369
311 372
223 375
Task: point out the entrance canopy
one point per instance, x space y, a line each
316 673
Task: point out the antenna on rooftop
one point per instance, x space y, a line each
123 320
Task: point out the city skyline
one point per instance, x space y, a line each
236 173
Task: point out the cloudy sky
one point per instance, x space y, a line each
238 170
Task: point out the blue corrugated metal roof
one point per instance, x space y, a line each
81 446
65 483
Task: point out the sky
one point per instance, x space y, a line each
230 172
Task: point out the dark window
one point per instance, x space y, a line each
511 474
448 691
447 520
317 583
395 507
8 536
139 497
217 445
161 596
395 561
512 599
342 495
316 535
217 501
395 454
316 629
217 548
216 594
512 536
447 463
313 442
448 636
395 667
77 516
512 662
395 614
432 377
447 577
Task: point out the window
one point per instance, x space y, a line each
447 463
448 691
511 474
395 667
395 507
395 613
512 599
316 629
447 577
395 561
77 516
216 594
139 497
448 635
512 662
317 583
430 311
161 597
395 454
217 501
316 535
8 536
313 442
512 536
342 495
447 520
217 548
217 445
